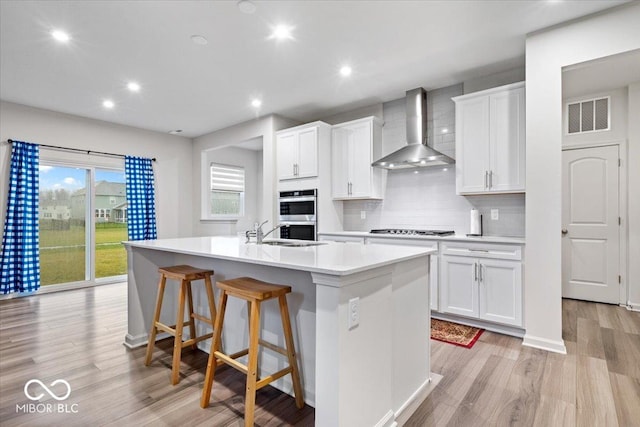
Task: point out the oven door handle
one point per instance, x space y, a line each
297 199
289 223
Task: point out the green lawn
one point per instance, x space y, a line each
62 253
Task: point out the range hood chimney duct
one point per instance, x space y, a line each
416 153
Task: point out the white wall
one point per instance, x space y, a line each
633 225
264 128
608 33
173 154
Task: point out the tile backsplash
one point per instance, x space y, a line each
426 198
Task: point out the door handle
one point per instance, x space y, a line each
475 271
490 179
486 175
480 270
564 231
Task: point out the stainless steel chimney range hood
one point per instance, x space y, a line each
416 153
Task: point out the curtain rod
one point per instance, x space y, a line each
10 141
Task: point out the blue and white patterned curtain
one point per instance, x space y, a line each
20 259
141 201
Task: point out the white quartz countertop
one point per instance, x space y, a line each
454 237
329 257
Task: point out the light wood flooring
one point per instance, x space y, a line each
77 336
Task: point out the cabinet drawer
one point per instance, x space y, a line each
482 250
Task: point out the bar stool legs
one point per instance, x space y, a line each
254 292
185 275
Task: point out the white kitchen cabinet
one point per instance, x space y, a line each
354 145
482 281
297 152
340 238
490 141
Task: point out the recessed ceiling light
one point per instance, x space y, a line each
445 169
345 71
175 132
107 103
61 36
445 130
198 39
256 103
246 6
133 86
391 165
281 32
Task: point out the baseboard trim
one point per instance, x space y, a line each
633 306
544 344
387 420
132 342
411 405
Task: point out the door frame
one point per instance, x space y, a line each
623 238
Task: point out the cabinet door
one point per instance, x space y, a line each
507 141
458 286
307 153
500 284
360 140
287 147
340 163
472 145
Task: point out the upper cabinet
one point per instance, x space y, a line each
297 150
354 145
490 141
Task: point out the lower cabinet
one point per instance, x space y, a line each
482 286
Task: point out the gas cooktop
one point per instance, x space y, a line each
409 232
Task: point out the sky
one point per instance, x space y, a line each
71 179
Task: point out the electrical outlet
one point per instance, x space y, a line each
354 313
495 214
363 214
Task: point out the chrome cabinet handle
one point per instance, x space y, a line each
475 271
480 274
486 176
490 179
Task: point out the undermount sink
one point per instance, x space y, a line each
292 244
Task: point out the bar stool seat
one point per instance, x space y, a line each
185 274
254 292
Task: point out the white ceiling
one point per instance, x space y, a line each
391 45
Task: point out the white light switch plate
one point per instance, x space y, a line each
495 214
363 214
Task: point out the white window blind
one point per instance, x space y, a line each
227 178
227 190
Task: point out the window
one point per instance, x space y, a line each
227 191
588 116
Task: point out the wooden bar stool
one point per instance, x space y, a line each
254 292
185 274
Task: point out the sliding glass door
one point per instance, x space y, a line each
83 219
110 213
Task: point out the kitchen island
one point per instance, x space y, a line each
358 369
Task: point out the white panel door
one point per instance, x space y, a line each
287 148
500 284
360 160
591 240
307 165
506 144
340 163
459 286
472 145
